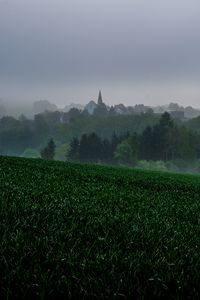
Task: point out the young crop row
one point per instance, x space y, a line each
76 231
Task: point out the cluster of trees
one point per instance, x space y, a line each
17 135
91 148
48 152
162 142
165 141
151 137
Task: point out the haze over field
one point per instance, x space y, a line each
99 116
137 51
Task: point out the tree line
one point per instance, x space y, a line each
16 135
102 139
164 141
91 148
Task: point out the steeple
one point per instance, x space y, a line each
100 101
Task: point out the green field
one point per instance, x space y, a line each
70 231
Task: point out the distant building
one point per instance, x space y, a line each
141 108
159 109
175 107
177 114
90 107
191 112
100 100
96 108
120 109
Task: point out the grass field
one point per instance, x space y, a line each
70 231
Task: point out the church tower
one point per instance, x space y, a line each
100 101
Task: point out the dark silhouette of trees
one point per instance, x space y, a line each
48 152
157 143
15 135
106 152
73 113
90 148
146 144
83 148
93 149
162 142
73 153
157 139
167 142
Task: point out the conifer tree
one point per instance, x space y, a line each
73 153
48 152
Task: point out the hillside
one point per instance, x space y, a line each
78 231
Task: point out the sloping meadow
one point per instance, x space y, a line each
76 231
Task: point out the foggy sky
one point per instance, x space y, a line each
134 50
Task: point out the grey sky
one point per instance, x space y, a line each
134 50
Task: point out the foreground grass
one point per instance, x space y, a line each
77 231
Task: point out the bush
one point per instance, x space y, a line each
30 153
158 165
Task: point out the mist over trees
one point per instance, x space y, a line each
126 139
16 135
93 149
163 142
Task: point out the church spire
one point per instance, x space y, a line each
100 101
